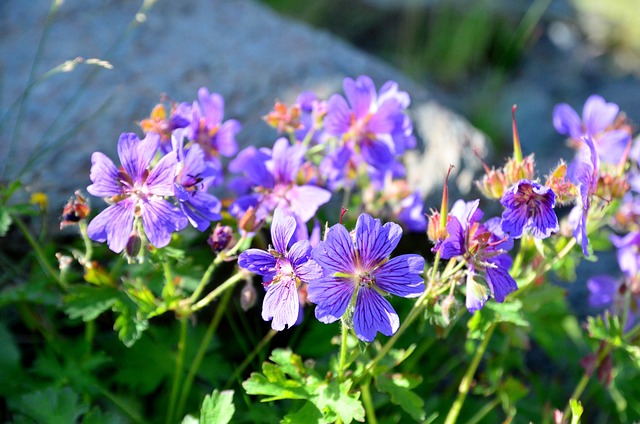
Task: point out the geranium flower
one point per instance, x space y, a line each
357 273
598 121
529 207
206 128
368 122
283 270
194 176
584 174
483 247
135 191
271 178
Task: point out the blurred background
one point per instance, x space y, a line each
483 56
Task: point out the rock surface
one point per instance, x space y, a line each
239 48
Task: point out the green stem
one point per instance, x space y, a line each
88 244
46 266
212 267
478 416
202 350
177 375
218 291
368 402
343 351
582 384
465 384
239 369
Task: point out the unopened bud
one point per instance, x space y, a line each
557 181
248 296
249 221
611 186
133 245
64 261
75 210
449 308
435 232
220 238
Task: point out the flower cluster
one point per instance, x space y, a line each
354 143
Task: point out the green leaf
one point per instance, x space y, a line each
607 328
398 388
88 302
494 312
510 392
334 400
51 406
308 414
217 408
5 221
98 276
128 325
258 384
289 363
576 411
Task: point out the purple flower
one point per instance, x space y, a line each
598 119
529 206
357 272
412 213
207 129
584 174
628 253
284 270
135 192
483 247
194 176
272 177
606 291
369 121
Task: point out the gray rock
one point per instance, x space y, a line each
240 49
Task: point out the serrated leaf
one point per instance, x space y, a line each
258 384
128 325
308 414
289 363
334 400
89 302
494 312
51 406
217 408
401 395
606 327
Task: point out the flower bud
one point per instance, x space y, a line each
283 118
133 245
563 188
220 238
75 210
249 222
248 296
449 309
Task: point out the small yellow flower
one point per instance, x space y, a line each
40 199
